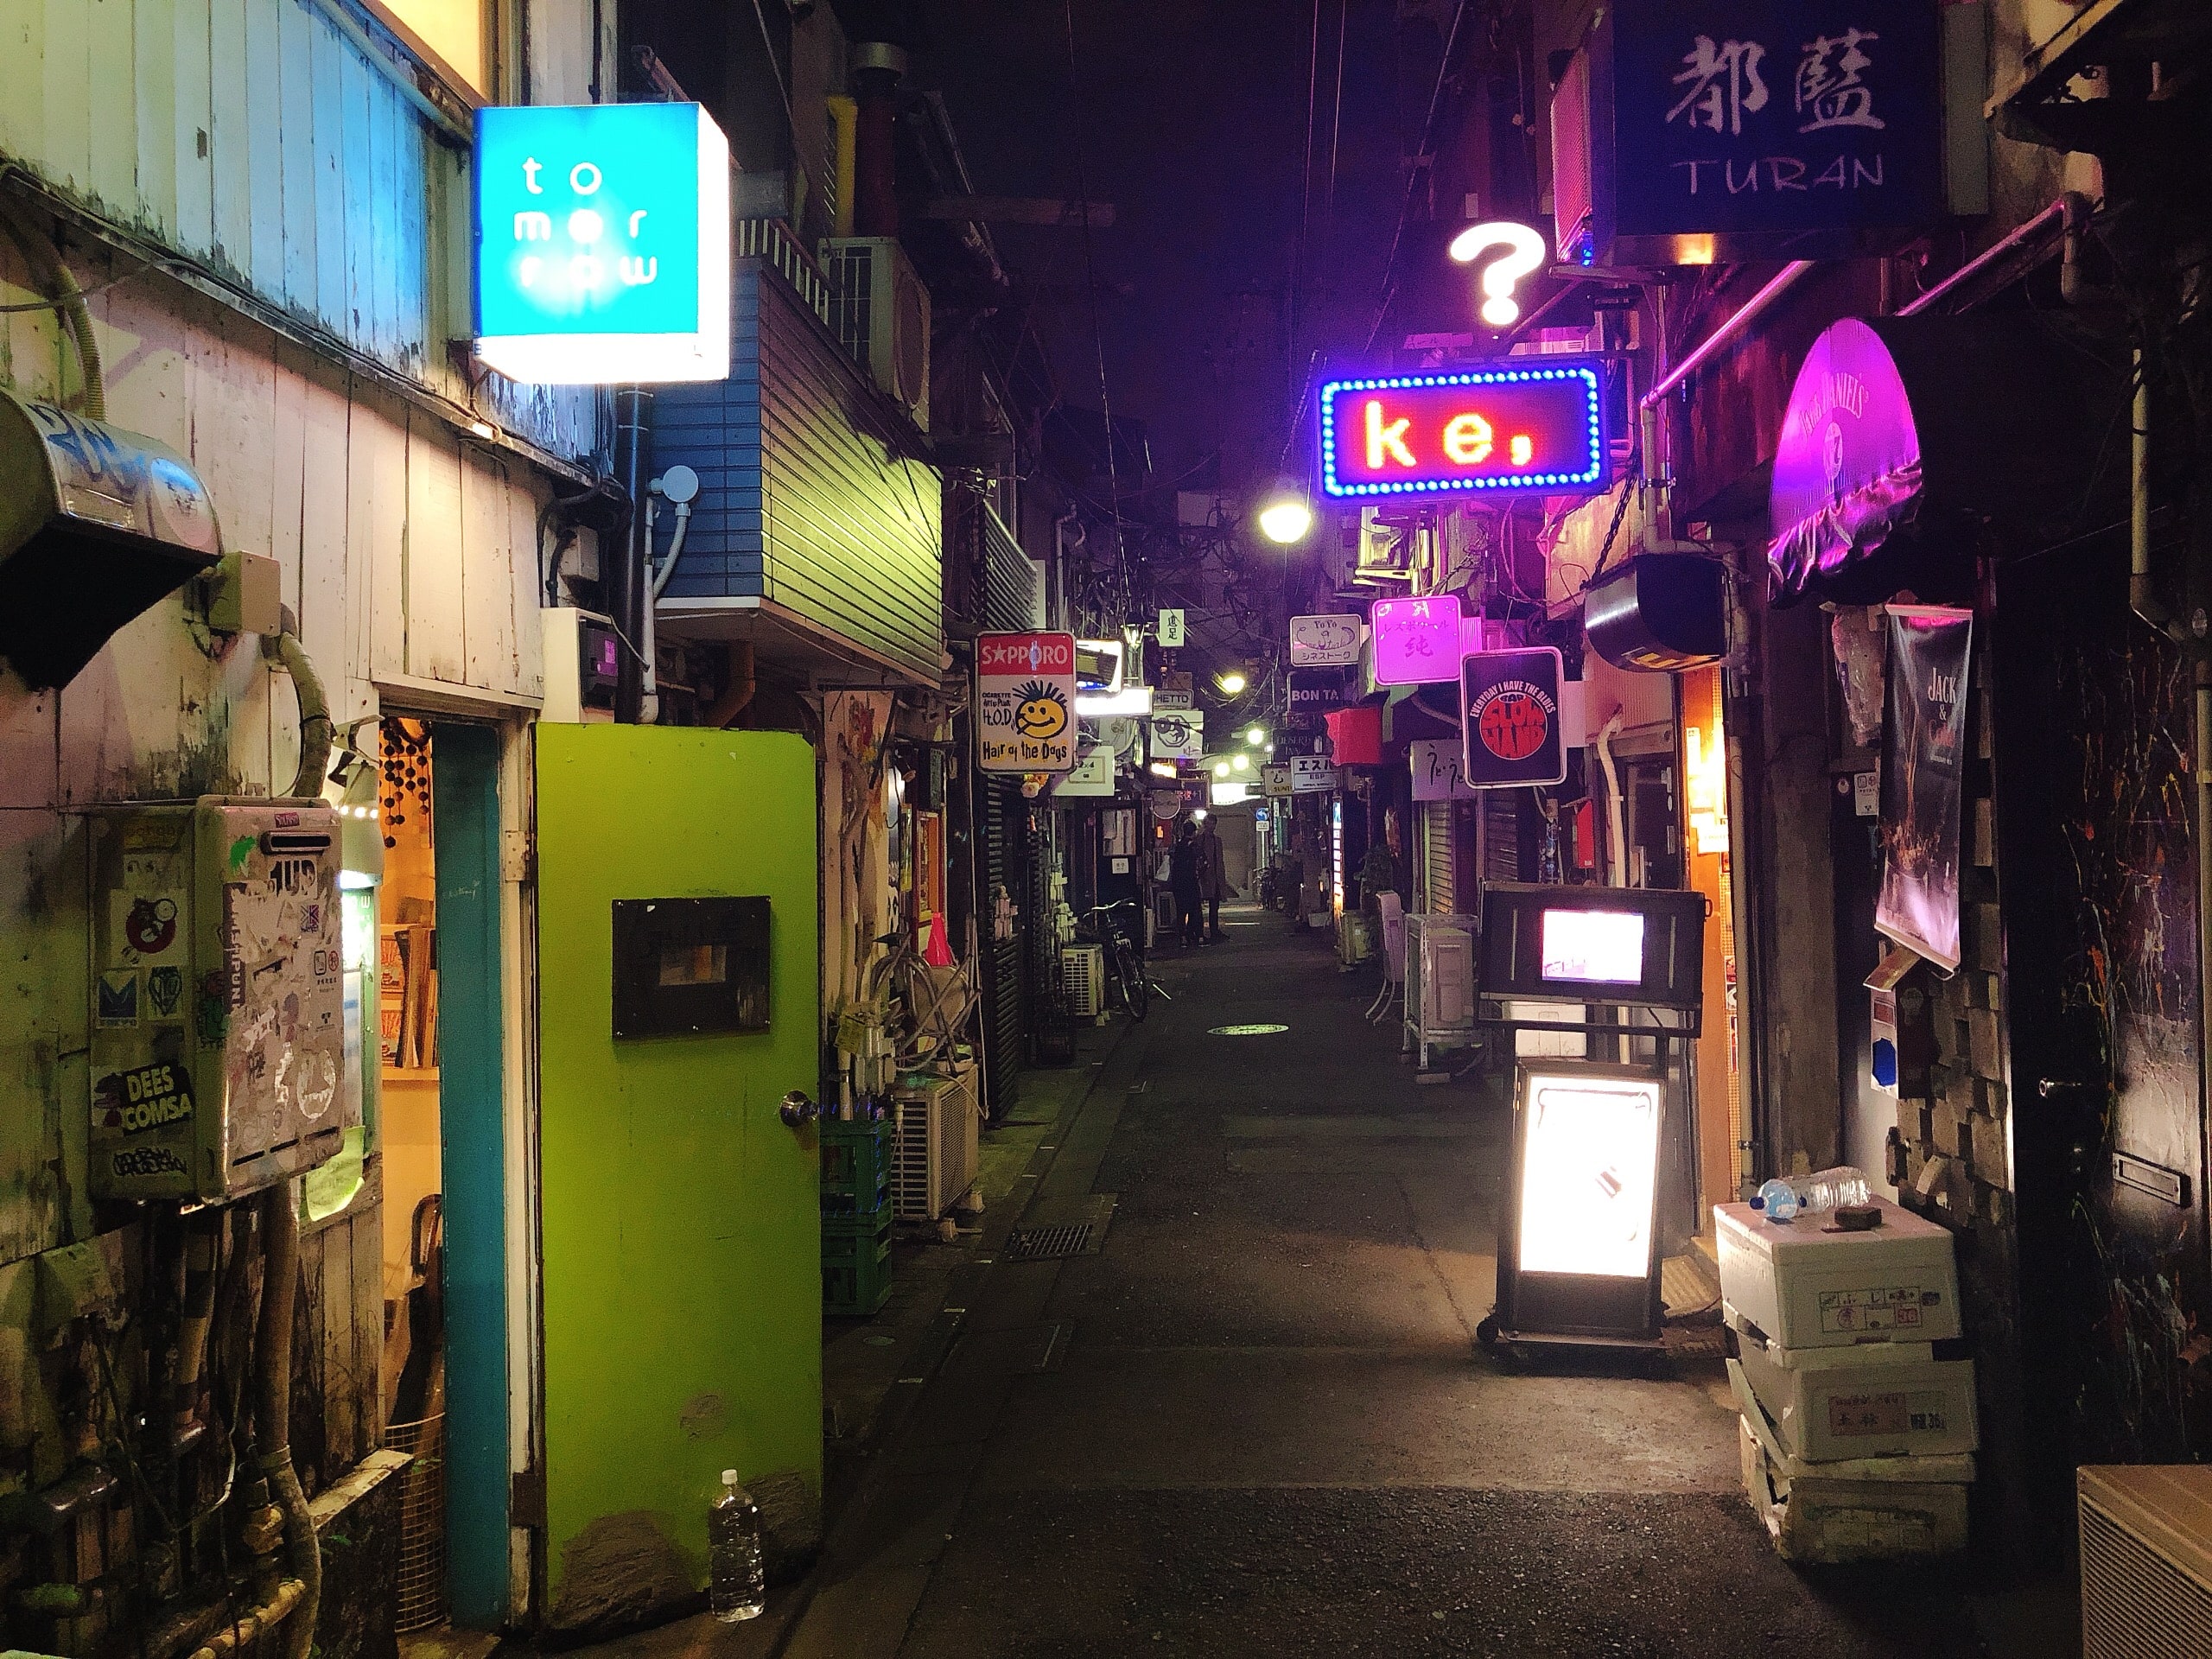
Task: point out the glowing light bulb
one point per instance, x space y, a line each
1256 735
1221 768
1231 682
1285 520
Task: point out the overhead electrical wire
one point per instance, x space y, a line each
1413 174
1090 284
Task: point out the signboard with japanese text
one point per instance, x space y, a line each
1509 705
1325 641
1769 119
1093 775
1025 703
1416 640
1440 771
602 243
1535 423
1275 779
1180 735
1312 774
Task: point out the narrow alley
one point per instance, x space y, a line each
1253 1420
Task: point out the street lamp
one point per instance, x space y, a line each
1256 735
1221 768
1231 681
1241 762
1286 518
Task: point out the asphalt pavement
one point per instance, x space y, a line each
1251 1418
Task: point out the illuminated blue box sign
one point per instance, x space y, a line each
1537 425
602 243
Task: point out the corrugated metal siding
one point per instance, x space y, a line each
252 136
1014 582
804 496
1501 836
999 807
1439 869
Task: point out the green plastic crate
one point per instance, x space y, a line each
856 1167
855 1271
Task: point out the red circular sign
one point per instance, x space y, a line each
1513 725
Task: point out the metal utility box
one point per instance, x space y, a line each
218 1022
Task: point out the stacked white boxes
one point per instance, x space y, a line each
1858 1441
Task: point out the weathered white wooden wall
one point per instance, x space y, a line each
409 557
253 137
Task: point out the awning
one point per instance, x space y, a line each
1906 437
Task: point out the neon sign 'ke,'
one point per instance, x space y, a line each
1533 427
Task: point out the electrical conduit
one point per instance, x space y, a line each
54 280
272 1413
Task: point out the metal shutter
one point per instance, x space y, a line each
1501 836
1005 821
1439 884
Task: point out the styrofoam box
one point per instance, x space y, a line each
1802 1287
1889 1399
1853 1511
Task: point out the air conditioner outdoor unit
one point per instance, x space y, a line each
2146 1560
1083 980
937 1149
881 312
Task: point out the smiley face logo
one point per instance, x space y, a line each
1041 712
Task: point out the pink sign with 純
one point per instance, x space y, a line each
1416 640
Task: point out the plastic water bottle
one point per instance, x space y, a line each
1779 1200
1831 1189
737 1584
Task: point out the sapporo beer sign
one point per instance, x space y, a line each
1509 700
1024 701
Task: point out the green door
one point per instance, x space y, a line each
681 1217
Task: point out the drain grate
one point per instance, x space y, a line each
1046 1243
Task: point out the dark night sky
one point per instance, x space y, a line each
1190 120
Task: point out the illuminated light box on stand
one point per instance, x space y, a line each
1578 1248
1578 1234
602 243
1533 423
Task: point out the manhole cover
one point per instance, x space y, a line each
1246 1031
1044 1243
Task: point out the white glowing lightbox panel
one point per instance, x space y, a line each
1589 1172
1593 947
602 243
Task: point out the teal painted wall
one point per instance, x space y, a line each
681 1217
471 1117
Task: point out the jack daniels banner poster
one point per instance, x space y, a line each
1923 778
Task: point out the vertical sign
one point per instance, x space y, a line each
1024 701
602 243
1508 702
1923 778
1416 640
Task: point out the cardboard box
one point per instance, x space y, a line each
1799 1284
1892 1399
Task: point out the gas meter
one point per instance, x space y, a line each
218 1041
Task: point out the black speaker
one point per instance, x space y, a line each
1660 613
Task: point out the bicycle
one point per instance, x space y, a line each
1124 962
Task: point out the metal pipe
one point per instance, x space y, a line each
622 573
2069 216
2142 597
2203 829
1732 324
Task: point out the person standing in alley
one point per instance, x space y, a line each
1183 878
1213 877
